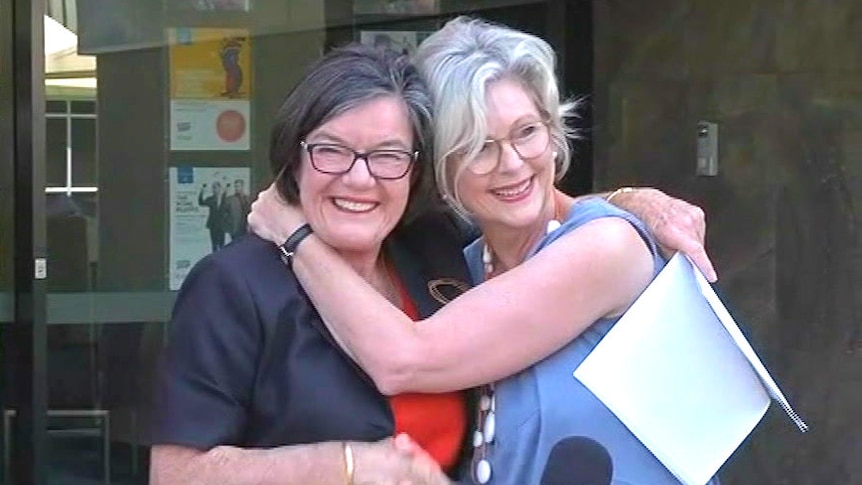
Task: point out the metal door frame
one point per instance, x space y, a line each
22 141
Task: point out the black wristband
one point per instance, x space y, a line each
288 248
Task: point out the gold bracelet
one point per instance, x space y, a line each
621 190
348 463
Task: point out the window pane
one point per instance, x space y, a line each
55 152
55 106
73 241
84 161
83 107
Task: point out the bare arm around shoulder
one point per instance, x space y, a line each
319 463
492 331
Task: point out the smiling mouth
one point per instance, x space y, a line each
514 191
354 207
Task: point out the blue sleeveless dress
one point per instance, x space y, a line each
544 404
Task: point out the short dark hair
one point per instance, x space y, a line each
342 79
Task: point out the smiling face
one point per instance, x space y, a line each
354 212
517 192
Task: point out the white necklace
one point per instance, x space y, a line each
486 420
488 255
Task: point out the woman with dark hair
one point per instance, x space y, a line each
253 389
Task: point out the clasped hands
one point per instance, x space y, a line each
394 461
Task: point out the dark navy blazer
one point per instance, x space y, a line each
250 363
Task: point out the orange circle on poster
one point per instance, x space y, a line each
230 125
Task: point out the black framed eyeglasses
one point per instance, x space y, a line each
335 159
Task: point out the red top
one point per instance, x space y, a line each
437 422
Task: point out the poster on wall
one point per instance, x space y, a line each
210 86
209 125
402 42
208 208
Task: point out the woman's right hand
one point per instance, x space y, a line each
272 218
387 463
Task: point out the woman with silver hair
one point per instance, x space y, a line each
553 273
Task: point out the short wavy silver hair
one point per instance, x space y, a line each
459 62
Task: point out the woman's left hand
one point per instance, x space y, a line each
272 218
676 224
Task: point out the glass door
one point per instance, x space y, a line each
133 140
105 311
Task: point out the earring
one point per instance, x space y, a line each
555 155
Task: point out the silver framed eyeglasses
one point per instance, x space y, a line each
529 140
335 159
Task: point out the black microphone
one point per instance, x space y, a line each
578 460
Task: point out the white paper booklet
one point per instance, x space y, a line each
677 371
